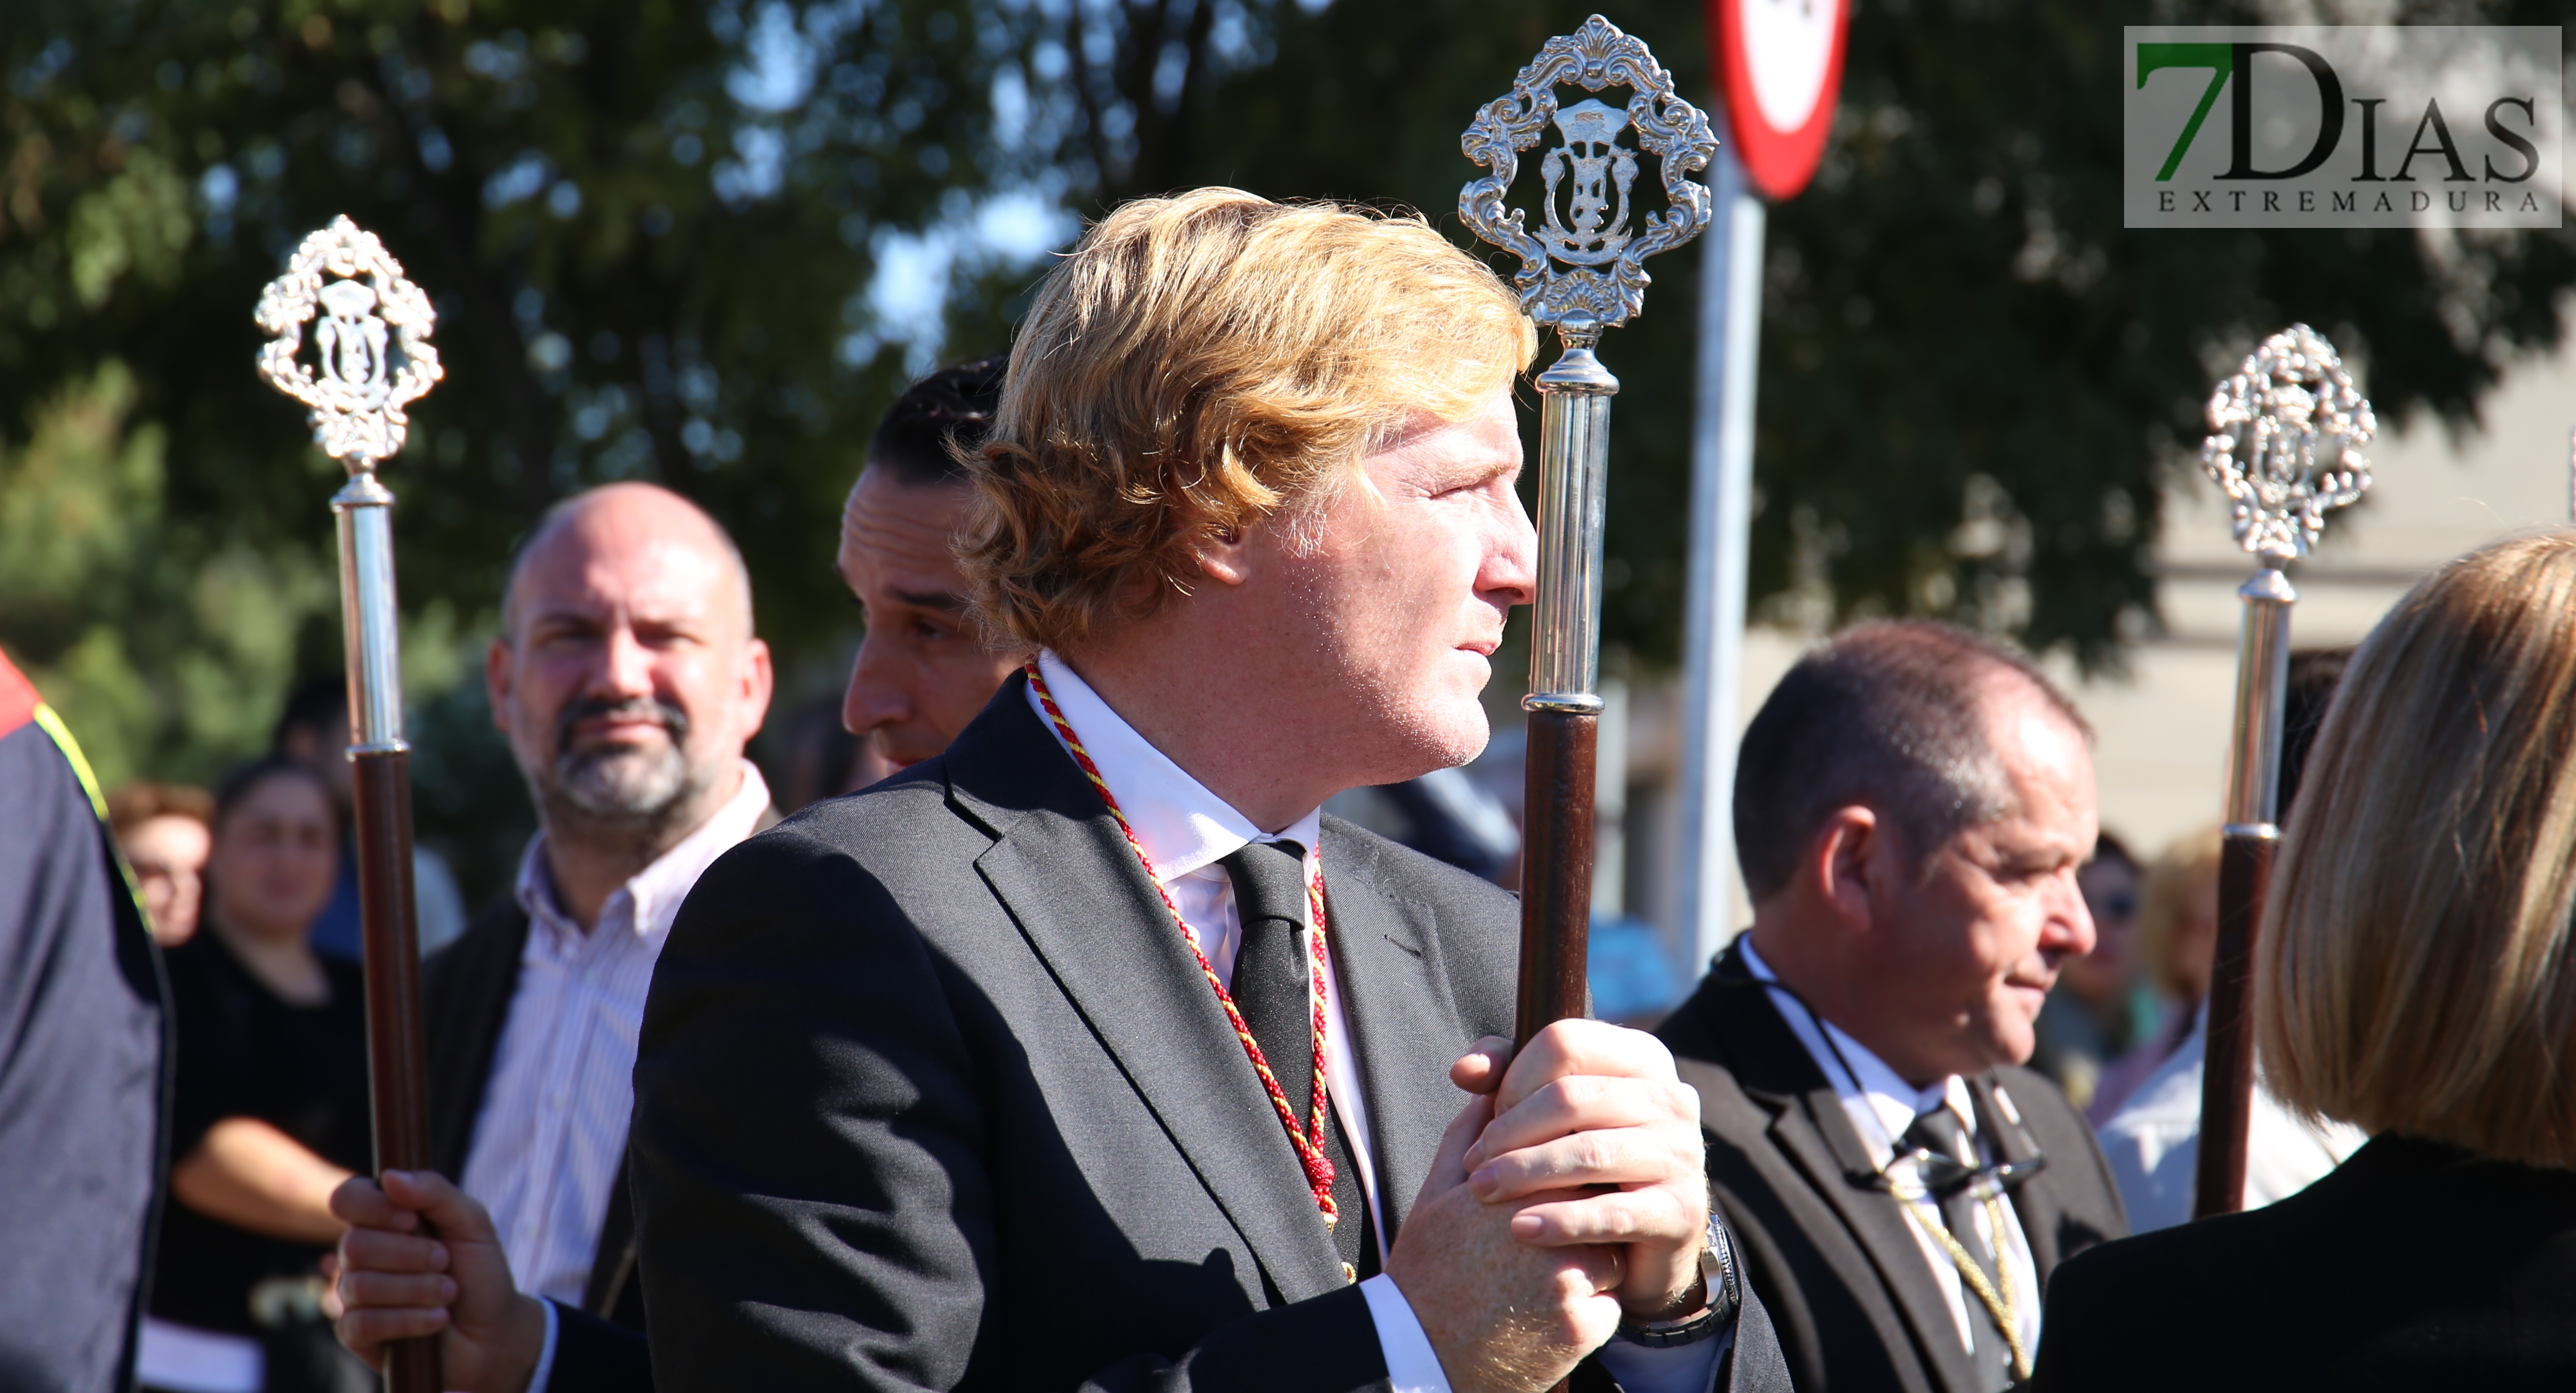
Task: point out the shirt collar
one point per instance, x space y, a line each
651 899
1181 825
1856 1072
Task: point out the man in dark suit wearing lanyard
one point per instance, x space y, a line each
1911 805
1088 1053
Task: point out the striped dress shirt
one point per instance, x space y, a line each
551 1133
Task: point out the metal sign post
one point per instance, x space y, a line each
1582 272
371 338
1780 67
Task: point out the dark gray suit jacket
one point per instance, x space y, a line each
1855 1305
931 1095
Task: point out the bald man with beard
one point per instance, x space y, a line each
628 678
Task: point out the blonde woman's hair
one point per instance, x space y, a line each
1203 361
2414 972
2169 894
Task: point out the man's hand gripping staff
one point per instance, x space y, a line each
1572 1187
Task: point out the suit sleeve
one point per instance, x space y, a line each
594 1356
810 1153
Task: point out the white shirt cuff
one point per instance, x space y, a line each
1410 1364
545 1370
1689 1369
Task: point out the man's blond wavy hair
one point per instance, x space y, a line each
2416 969
1198 363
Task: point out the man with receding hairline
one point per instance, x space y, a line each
1911 805
628 678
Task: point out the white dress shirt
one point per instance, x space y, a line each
2153 1142
1881 1105
552 1130
1186 831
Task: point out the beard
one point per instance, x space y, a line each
633 789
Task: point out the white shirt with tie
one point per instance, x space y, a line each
1881 1105
1186 831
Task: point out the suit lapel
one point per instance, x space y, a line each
1068 877
2034 1201
469 991
1405 1024
1810 1127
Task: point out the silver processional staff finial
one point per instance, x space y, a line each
1588 178
371 359
1583 271
2287 432
372 342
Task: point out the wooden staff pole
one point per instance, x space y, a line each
1582 272
2286 435
2244 873
1563 711
388 921
370 328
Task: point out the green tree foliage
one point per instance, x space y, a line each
1973 380
703 241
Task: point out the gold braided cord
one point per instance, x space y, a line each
1998 1304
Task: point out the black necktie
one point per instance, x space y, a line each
1270 989
1941 1133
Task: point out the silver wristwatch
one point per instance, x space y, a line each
1717 1270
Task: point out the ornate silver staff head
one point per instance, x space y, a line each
2287 432
371 329
372 358
1602 283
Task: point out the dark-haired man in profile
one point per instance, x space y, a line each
924 670
1911 805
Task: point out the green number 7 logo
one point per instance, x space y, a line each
2218 58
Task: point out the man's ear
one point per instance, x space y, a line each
1839 861
496 683
759 680
1223 553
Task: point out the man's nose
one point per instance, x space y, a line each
873 701
2070 919
1510 573
625 666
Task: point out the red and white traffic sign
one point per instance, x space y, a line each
1780 65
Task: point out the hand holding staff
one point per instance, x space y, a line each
371 334
1593 172
2287 433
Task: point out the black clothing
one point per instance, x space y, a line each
1857 1308
244 1051
931 1095
2414 1265
83 1075
1271 988
465 991
1941 1133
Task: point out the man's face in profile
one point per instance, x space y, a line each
1982 924
924 669
1401 596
